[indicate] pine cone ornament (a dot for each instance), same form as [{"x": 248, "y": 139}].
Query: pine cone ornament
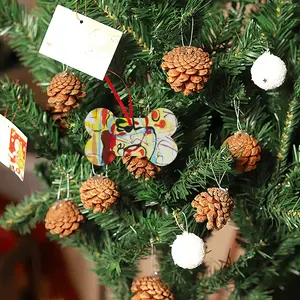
[
  {"x": 245, "y": 150},
  {"x": 215, "y": 206},
  {"x": 65, "y": 93},
  {"x": 99, "y": 193},
  {"x": 188, "y": 69},
  {"x": 63, "y": 218},
  {"x": 140, "y": 166},
  {"x": 150, "y": 288}
]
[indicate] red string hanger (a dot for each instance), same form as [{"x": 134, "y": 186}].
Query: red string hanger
[{"x": 127, "y": 115}]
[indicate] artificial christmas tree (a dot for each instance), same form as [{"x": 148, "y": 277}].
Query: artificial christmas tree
[{"x": 266, "y": 200}]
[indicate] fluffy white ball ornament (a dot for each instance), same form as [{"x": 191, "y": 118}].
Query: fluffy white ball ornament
[
  {"x": 268, "y": 71},
  {"x": 188, "y": 250}
]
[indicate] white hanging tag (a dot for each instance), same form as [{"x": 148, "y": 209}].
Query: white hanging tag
[
  {"x": 13, "y": 147},
  {"x": 81, "y": 43}
]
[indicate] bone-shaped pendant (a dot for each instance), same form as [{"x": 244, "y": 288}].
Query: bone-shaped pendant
[{"x": 147, "y": 137}]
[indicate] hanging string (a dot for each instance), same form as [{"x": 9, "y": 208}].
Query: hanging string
[
  {"x": 237, "y": 110},
  {"x": 6, "y": 111},
  {"x": 128, "y": 92},
  {"x": 192, "y": 32},
  {"x": 181, "y": 32},
  {"x": 222, "y": 177},
  {"x": 65, "y": 68},
  {"x": 68, "y": 186},
  {"x": 186, "y": 221},
  {"x": 59, "y": 189},
  {"x": 93, "y": 171},
  {"x": 95, "y": 174},
  {"x": 175, "y": 215},
  {"x": 218, "y": 182},
  {"x": 152, "y": 257},
  {"x": 127, "y": 115},
  {"x": 76, "y": 10},
  {"x": 278, "y": 125},
  {"x": 81, "y": 171},
  {"x": 148, "y": 109}
]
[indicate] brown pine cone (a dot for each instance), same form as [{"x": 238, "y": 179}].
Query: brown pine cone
[
  {"x": 245, "y": 150},
  {"x": 150, "y": 288},
  {"x": 63, "y": 218},
  {"x": 215, "y": 206},
  {"x": 65, "y": 93},
  {"x": 99, "y": 193},
  {"x": 188, "y": 69},
  {"x": 140, "y": 166}
]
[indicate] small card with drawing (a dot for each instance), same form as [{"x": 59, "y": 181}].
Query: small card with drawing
[
  {"x": 13, "y": 147},
  {"x": 80, "y": 42}
]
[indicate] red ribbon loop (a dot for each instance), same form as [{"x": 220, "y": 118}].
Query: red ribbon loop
[{"x": 127, "y": 115}]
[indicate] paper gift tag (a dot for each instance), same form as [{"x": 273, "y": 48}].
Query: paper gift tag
[
  {"x": 13, "y": 147},
  {"x": 88, "y": 46}
]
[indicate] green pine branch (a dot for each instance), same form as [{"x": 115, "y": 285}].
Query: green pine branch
[
  {"x": 235, "y": 272},
  {"x": 36, "y": 124},
  {"x": 291, "y": 122},
  {"x": 244, "y": 50},
  {"x": 216, "y": 28},
  {"x": 277, "y": 21},
  {"x": 284, "y": 206},
  {"x": 24, "y": 216},
  {"x": 207, "y": 165},
  {"x": 243, "y": 273},
  {"x": 25, "y": 34},
  {"x": 123, "y": 17},
  {"x": 108, "y": 259}
]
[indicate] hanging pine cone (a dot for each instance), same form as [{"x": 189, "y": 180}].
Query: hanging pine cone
[
  {"x": 140, "y": 166},
  {"x": 245, "y": 150},
  {"x": 188, "y": 69},
  {"x": 150, "y": 288},
  {"x": 99, "y": 193},
  {"x": 65, "y": 93},
  {"x": 215, "y": 206},
  {"x": 63, "y": 218}
]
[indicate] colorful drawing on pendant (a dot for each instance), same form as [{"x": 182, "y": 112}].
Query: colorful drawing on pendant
[
  {"x": 17, "y": 153},
  {"x": 147, "y": 137}
]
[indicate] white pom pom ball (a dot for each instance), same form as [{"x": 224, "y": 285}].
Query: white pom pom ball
[
  {"x": 268, "y": 71},
  {"x": 188, "y": 250}
]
